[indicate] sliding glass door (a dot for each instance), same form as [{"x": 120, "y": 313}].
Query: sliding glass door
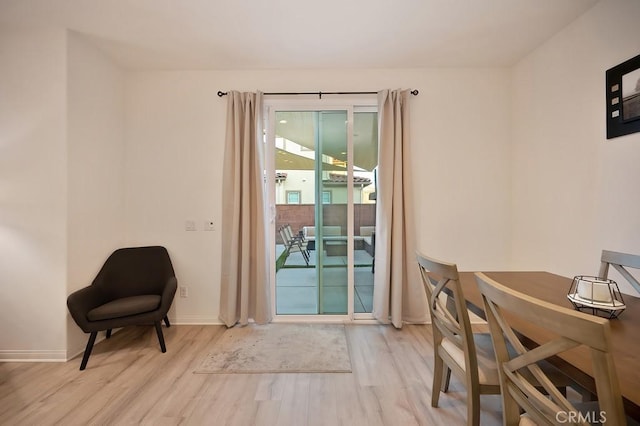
[
  {"x": 365, "y": 160},
  {"x": 319, "y": 252}
]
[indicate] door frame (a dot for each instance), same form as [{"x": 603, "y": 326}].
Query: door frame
[{"x": 299, "y": 103}]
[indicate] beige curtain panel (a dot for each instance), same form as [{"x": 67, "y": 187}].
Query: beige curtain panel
[
  {"x": 244, "y": 290},
  {"x": 398, "y": 295}
]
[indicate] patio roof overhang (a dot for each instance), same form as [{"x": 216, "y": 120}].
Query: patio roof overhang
[
  {"x": 298, "y": 126},
  {"x": 286, "y": 160}
]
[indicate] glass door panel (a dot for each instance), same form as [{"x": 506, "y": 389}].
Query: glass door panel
[
  {"x": 332, "y": 193},
  {"x": 365, "y": 154},
  {"x": 310, "y": 218}
]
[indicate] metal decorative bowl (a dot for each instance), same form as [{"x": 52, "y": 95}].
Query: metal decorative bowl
[{"x": 598, "y": 296}]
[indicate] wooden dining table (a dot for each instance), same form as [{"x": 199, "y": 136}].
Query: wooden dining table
[{"x": 576, "y": 363}]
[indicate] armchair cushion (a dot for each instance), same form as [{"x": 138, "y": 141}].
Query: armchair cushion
[{"x": 124, "y": 307}]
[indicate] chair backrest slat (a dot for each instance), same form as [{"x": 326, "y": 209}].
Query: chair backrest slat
[{"x": 620, "y": 261}]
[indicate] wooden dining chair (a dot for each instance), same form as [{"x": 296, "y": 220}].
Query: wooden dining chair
[
  {"x": 620, "y": 262},
  {"x": 457, "y": 349},
  {"x": 516, "y": 369}
]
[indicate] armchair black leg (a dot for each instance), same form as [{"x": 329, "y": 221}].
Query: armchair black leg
[
  {"x": 108, "y": 333},
  {"x": 158, "y": 325},
  {"x": 87, "y": 351},
  {"x": 166, "y": 321}
]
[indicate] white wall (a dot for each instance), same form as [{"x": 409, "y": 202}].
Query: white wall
[
  {"x": 574, "y": 192},
  {"x": 95, "y": 130},
  {"x": 461, "y": 166},
  {"x": 174, "y": 149},
  {"x": 61, "y": 184},
  {"x": 33, "y": 197},
  {"x": 175, "y": 126}
]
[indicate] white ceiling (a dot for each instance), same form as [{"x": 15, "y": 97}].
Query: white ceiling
[{"x": 272, "y": 34}]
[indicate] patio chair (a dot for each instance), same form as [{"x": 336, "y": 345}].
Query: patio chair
[
  {"x": 294, "y": 245},
  {"x": 292, "y": 236}
]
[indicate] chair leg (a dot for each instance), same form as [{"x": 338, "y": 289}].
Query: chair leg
[
  {"x": 108, "y": 333},
  {"x": 158, "y": 325},
  {"x": 473, "y": 407},
  {"x": 304, "y": 254},
  {"x": 87, "y": 350},
  {"x": 166, "y": 321},
  {"x": 438, "y": 366}
]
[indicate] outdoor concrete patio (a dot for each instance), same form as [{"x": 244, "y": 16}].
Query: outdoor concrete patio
[{"x": 296, "y": 286}]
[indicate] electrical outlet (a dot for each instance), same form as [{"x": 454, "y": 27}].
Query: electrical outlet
[
  {"x": 208, "y": 226},
  {"x": 190, "y": 225},
  {"x": 184, "y": 291}
]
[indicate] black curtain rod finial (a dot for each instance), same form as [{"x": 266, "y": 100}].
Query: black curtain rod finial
[{"x": 221, "y": 93}]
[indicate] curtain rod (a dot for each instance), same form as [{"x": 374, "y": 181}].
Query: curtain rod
[{"x": 413, "y": 92}]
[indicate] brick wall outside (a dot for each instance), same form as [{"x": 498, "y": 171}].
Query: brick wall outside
[{"x": 299, "y": 215}]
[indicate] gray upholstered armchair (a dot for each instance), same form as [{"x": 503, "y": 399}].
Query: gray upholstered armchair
[{"x": 135, "y": 286}]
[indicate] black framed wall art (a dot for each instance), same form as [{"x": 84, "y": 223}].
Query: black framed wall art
[{"x": 623, "y": 98}]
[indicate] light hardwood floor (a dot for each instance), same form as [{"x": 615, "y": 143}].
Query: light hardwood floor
[{"x": 129, "y": 381}]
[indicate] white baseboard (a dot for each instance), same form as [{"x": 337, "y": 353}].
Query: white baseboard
[
  {"x": 64, "y": 356},
  {"x": 195, "y": 320}
]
